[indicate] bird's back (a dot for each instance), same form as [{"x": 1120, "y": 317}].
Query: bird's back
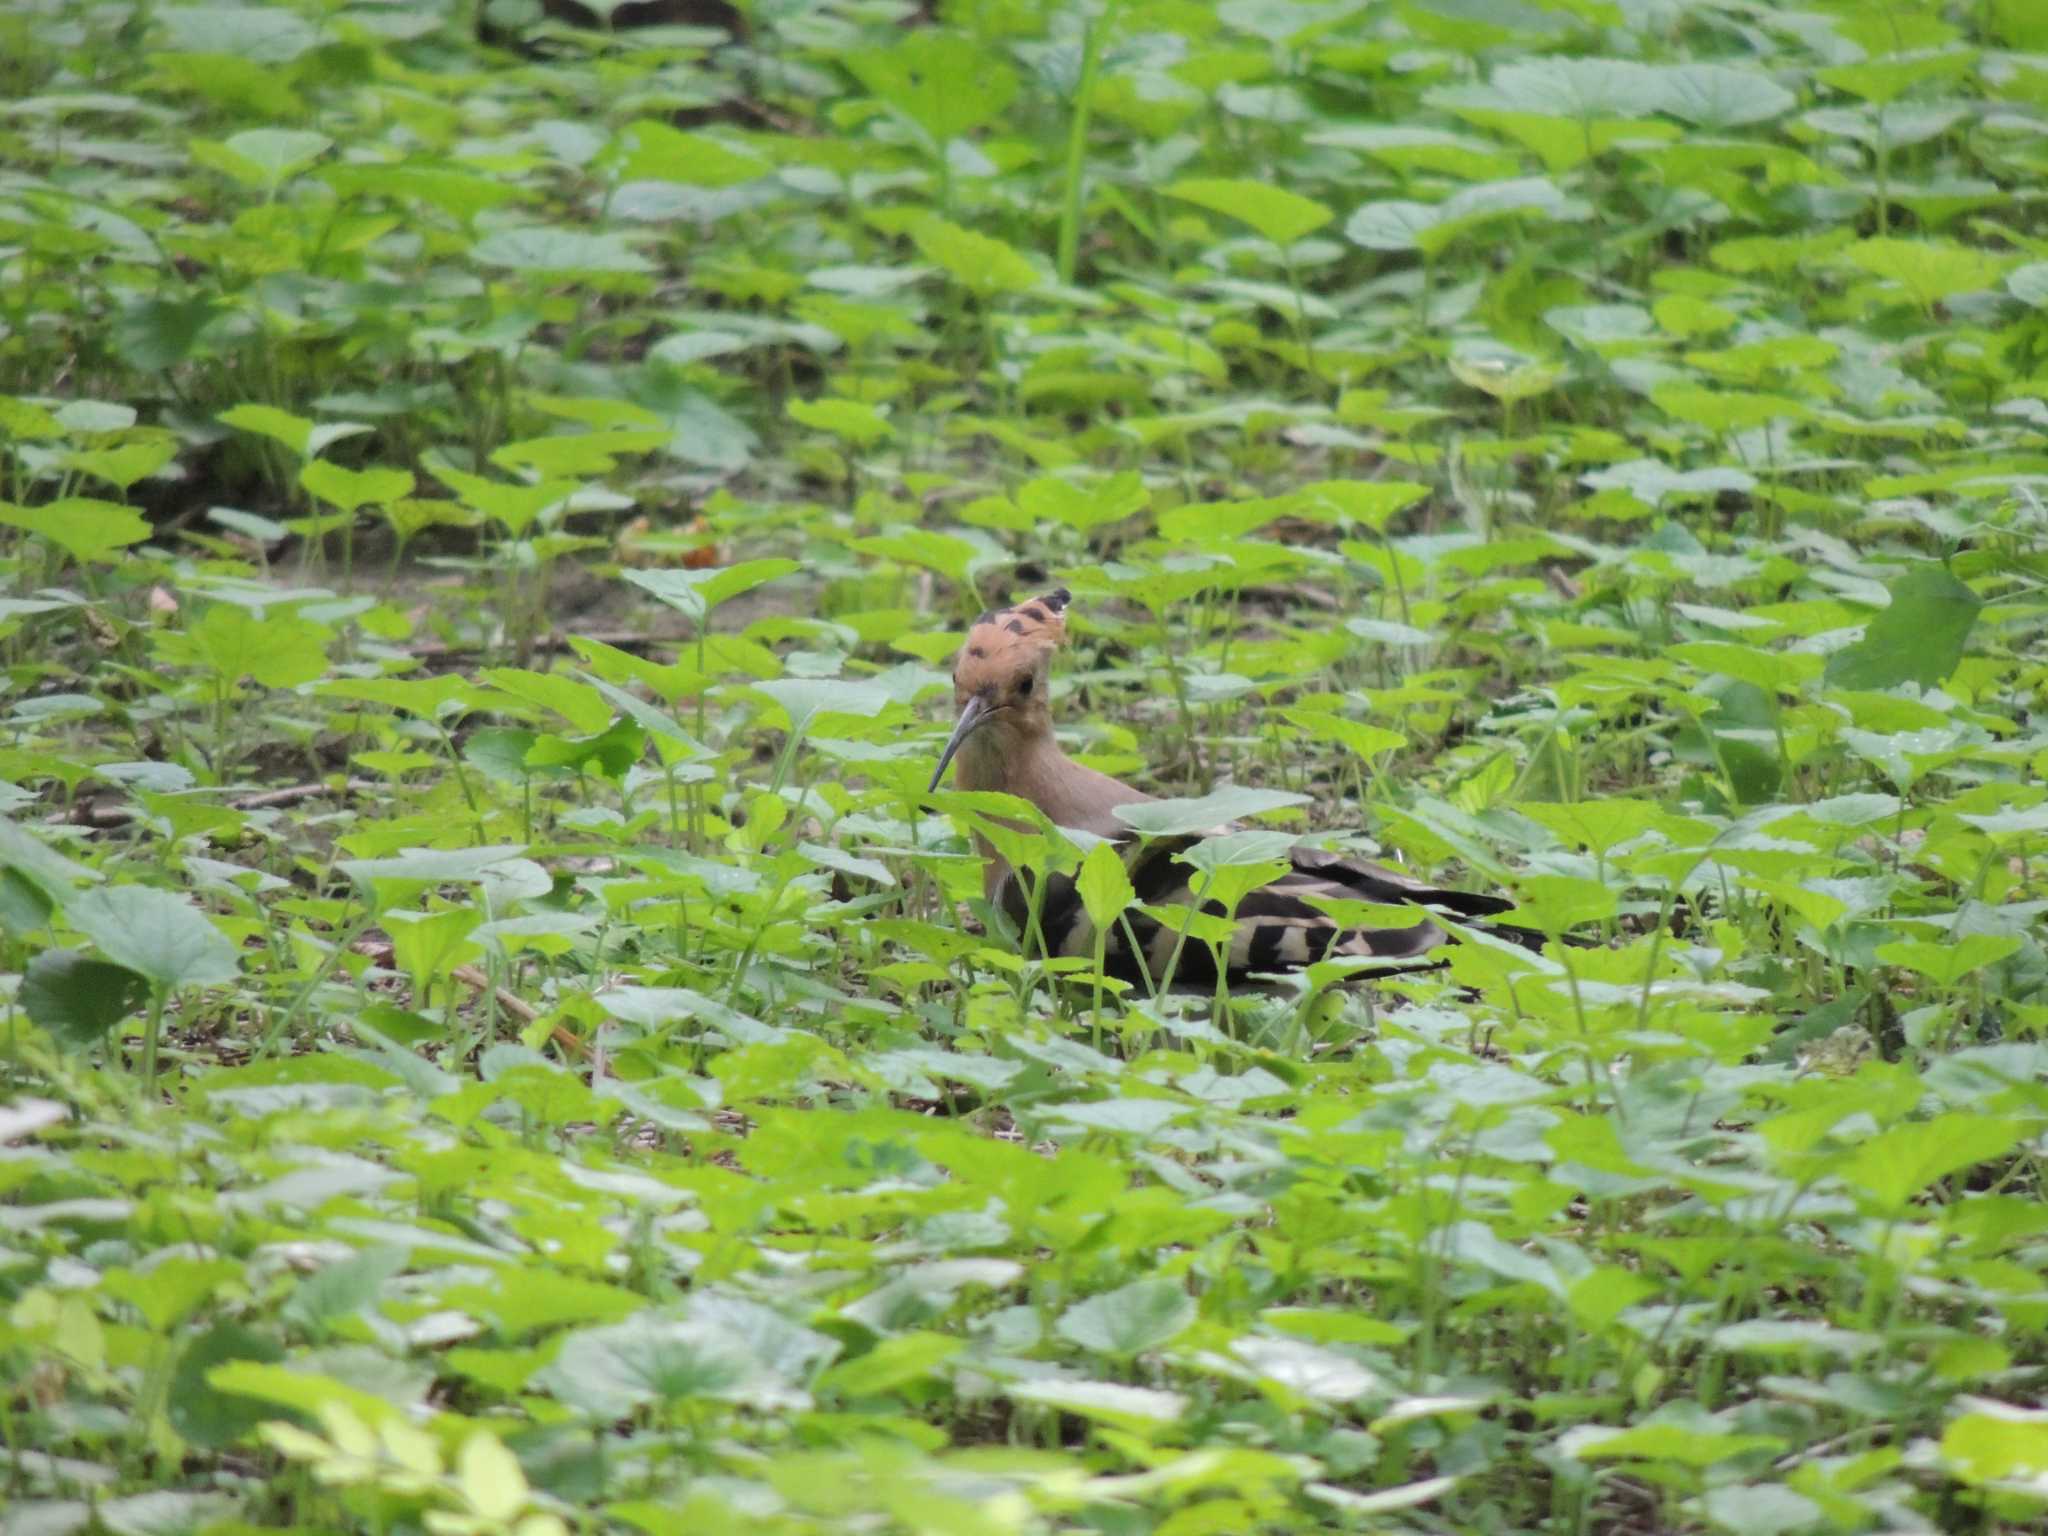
[{"x": 1276, "y": 927}]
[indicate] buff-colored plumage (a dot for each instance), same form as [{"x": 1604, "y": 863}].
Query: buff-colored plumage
[{"x": 1003, "y": 740}]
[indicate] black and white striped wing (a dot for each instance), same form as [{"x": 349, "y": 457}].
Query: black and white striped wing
[{"x": 1277, "y": 927}]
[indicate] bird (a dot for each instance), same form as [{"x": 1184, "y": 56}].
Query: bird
[{"x": 1003, "y": 739}]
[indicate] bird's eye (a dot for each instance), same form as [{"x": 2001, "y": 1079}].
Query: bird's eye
[{"x": 1024, "y": 685}]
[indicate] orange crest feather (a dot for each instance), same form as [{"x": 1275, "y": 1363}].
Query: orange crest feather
[{"x": 1005, "y": 641}]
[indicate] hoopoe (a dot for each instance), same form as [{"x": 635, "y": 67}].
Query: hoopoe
[{"x": 1003, "y": 740}]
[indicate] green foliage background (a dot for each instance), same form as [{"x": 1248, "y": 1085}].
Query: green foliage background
[{"x": 469, "y": 1070}]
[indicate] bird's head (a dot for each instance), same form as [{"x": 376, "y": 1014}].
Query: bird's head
[{"x": 1000, "y": 679}]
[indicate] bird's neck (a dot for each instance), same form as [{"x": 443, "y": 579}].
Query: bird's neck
[{"x": 1032, "y": 767}]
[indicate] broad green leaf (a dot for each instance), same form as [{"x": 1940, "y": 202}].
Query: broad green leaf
[
  {"x": 1947, "y": 964},
  {"x": 1928, "y": 270},
  {"x": 560, "y": 252},
  {"x": 1558, "y": 903},
  {"x": 648, "y": 149},
  {"x": 982, "y": 264},
  {"x": 951, "y": 557},
  {"x": 1178, "y": 818},
  {"x": 84, "y": 529},
  {"x": 268, "y": 421},
  {"x": 1105, "y": 886},
  {"x": 1720, "y": 95},
  {"x": 1920, "y": 637},
  {"x": 1281, "y": 216},
  {"x": 428, "y": 945},
  {"x": 26, "y": 421},
  {"x": 856, "y": 421},
  {"x": 154, "y": 933},
  {"x": 609, "y": 1371},
  {"x": 342, "y": 1288},
  {"x": 124, "y": 464},
  {"x": 1138, "y": 1408},
  {"x": 1997, "y": 1443},
  {"x": 1130, "y": 1320},
  {"x": 578, "y": 703},
  {"x": 608, "y": 753},
  {"x": 78, "y": 998},
  {"x": 1372, "y": 503},
  {"x": 199, "y": 1411},
  {"x": 512, "y": 507},
  {"x": 352, "y": 489},
  {"x": 938, "y": 79},
  {"x": 1885, "y": 79},
  {"x": 1898, "y": 1164},
  {"x": 1508, "y": 379},
  {"x": 1084, "y": 504},
  {"x": 697, "y": 593},
  {"x": 277, "y": 154},
  {"x": 490, "y": 1477},
  {"x": 1685, "y": 1444},
  {"x": 1368, "y": 741},
  {"x": 577, "y": 453},
  {"x": 232, "y": 643}
]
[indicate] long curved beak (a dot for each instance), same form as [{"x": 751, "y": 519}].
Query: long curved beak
[{"x": 970, "y": 717}]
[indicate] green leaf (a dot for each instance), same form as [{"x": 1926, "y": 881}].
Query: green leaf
[
  {"x": 161, "y": 936},
  {"x": 1283, "y": 217},
  {"x": 1131, "y": 1408},
  {"x": 1761, "y": 1509},
  {"x": 78, "y": 998},
  {"x": 353, "y": 489},
  {"x": 696, "y": 593},
  {"x": 1720, "y": 95},
  {"x": 1370, "y": 502},
  {"x": 542, "y": 1299},
  {"x": 1886, "y": 79},
  {"x": 233, "y": 643},
  {"x": 277, "y": 154},
  {"x": 982, "y": 264},
  {"x": 938, "y": 79},
  {"x": 199, "y": 1411},
  {"x": 84, "y": 529},
  {"x": 1104, "y": 885},
  {"x": 1997, "y": 1443},
  {"x": 951, "y": 557},
  {"x": 1929, "y": 270},
  {"x": 428, "y": 945},
  {"x": 577, "y": 702},
  {"x": 891, "y": 1364},
  {"x": 268, "y": 421},
  {"x": 1896, "y": 1165},
  {"x": 1367, "y": 741},
  {"x": 608, "y": 1372},
  {"x": 578, "y": 453},
  {"x": 513, "y": 507},
  {"x": 490, "y": 1477},
  {"x": 1919, "y": 638},
  {"x": 124, "y": 464},
  {"x": 610, "y": 752},
  {"x": 1177, "y": 818},
  {"x": 1946, "y": 964},
  {"x": 559, "y": 252},
  {"x": 648, "y": 149},
  {"x": 1083, "y": 504},
  {"x": 856, "y": 421},
  {"x": 1130, "y": 1320},
  {"x": 1557, "y": 903},
  {"x": 341, "y": 1288}
]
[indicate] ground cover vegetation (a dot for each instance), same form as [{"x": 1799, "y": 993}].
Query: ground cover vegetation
[{"x": 497, "y": 1038}]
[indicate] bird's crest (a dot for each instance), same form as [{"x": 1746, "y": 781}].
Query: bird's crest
[{"x": 1005, "y": 641}]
